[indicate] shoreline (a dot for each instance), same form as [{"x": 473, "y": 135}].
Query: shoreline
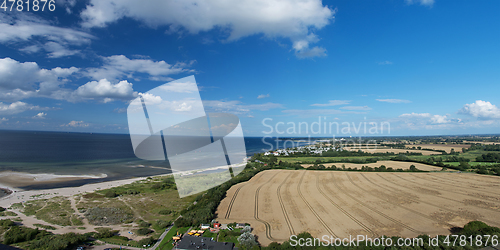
[{"x": 17, "y": 195}]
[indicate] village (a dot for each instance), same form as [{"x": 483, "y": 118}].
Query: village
[
  {"x": 208, "y": 236},
  {"x": 315, "y": 149}
]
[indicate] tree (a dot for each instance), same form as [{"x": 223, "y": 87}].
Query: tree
[
  {"x": 413, "y": 168},
  {"x": 246, "y": 229},
  {"x": 247, "y": 240}
]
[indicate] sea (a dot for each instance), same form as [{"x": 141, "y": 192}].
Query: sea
[{"x": 109, "y": 155}]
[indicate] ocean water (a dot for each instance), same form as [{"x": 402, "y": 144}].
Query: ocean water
[{"x": 90, "y": 154}]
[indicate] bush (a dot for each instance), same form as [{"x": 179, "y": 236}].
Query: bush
[
  {"x": 165, "y": 211},
  {"x": 132, "y": 191},
  {"x": 144, "y": 224},
  {"x": 19, "y": 234},
  {"x": 107, "y": 216},
  {"x": 104, "y": 232},
  {"x": 161, "y": 224},
  {"x": 144, "y": 231},
  {"x": 147, "y": 241},
  {"x": 110, "y": 194},
  {"x": 6, "y": 223}
]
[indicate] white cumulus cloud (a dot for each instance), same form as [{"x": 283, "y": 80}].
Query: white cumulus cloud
[
  {"x": 293, "y": 19},
  {"x": 263, "y": 96},
  {"x": 18, "y": 107},
  {"x": 106, "y": 91},
  {"x": 23, "y": 80},
  {"x": 40, "y": 115},
  {"x": 481, "y": 109}
]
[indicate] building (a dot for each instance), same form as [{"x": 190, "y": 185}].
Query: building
[{"x": 190, "y": 242}]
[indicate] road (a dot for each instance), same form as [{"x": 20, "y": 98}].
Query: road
[{"x": 161, "y": 237}]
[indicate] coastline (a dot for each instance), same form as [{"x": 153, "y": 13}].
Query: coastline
[{"x": 19, "y": 195}]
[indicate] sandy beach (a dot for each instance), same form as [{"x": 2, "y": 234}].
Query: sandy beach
[
  {"x": 12, "y": 180},
  {"x": 19, "y": 195}
]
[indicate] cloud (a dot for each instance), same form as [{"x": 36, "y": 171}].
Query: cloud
[
  {"x": 236, "y": 107},
  {"x": 481, "y": 109},
  {"x": 365, "y": 108},
  {"x": 393, "y": 100},
  {"x": 23, "y": 80},
  {"x": 40, "y": 115},
  {"x": 56, "y": 50},
  {"x": 295, "y": 19},
  {"x": 119, "y": 66},
  {"x": 384, "y": 63},
  {"x": 318, "y": 112},
  {"x": 263, "y": 96},
  {"x": 331, "y": 103},
  {"x": 429, "y": 121},
  {"x": 22, "y": 29},
  {"x": 76, "y": 124},
  {"x": 106, "y": 91},
  {"x": 3, "y": 119},
  {"x": 179, "y": 87},
  {"x": 308, "y": 53},
  {"x": 17, "y": 107},
  {"x": 421, "y": 2},
  {"x": 120, "y": 110}
]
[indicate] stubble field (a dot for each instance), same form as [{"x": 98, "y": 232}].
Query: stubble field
[{"x": 279, "y": 203}]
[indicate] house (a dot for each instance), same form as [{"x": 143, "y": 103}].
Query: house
[
  {"x": 240, "y": 225},
  {"x": 191, "y": 242},
  {"x": 205, "y": 226},
  {"x": 216, "y": 225}
]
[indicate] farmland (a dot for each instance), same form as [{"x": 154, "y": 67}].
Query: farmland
[
  {"x": 392, "y": 150},
  {"x": 387, "y": 164},
  {"x": 279, "y": 203},
  {"x": 444, "y": 147}
]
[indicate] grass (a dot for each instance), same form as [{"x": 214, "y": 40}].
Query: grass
[
  {"x": 147, "y": 199},
  {"x": 7, "y": 213},
  {"x": 56, "y": 211},
  {"x": 231, "y": 236},
  {"x": 166, "y": 243},
  {"x": 209, "y": 234},
  {"x": 76, "y": 221}
]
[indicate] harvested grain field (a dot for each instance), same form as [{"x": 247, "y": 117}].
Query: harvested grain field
[
  {"x": 389, "y": 164},
  {"x": 279, "y": 203},
  {"x": 445, "y": 147},
  {"x": 392, "y": 150}
]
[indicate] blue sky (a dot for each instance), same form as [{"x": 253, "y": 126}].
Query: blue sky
[{"x": 427, "y": 67}]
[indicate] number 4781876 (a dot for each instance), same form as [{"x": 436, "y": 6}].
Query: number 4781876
[{"x": 28, "y": 5}]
